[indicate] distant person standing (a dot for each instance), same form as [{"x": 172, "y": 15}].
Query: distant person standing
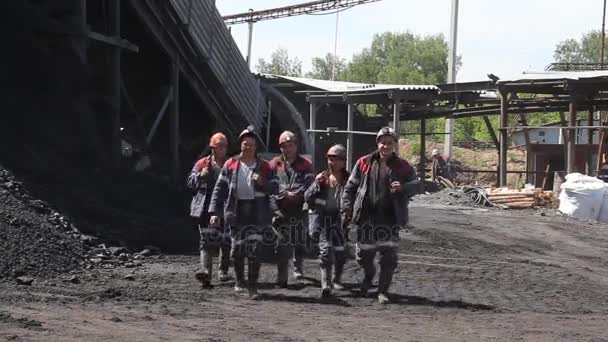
[
  {"x": 241, "y": 198},
  {"x": 213, "y": 239},
  {"x": 438, "y": 167},
  {"x": 324, "y": 198},
  {"x": 375, "y": 200}
]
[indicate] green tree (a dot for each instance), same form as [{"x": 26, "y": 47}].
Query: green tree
[
  {"x": 322, "y": 67},
  {"x": 280, "y": 64},
  {"x": 404, "y": 58},
  {"x": 585, "y": 50},
  {"x": 401, "y": 58}
]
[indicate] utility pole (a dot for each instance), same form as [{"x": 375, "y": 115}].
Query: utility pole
[
  {"x": 333, "y": 64},
  {"x": 603, "y": 34},
  {"x": 452, "y": 59},
  {"x": 249, "y": 42}
]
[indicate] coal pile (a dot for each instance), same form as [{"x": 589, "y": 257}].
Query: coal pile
[
  {"x": 447, "y": 196},
  {"x": 35, "y": 240}
]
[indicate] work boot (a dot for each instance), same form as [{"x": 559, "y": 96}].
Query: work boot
[
  {"x": 325, "y": 281},
  {"x": 337, "y": 283},
  {"x": 223, "y": 276},
  {"x": 384, "y": 282},
  {"x": 298, "y": 271},
  {"x": 385, "y": 278},
  {"x": 203, "y": 278},
  {"x": 365, "y": 285},
  {"x": 370, "y": 271},
  {"x": 204, "y": 275},
  {"x": 224, "y": 265},
  {"x": 383, "y": 298},
  {"x": 253, "y": 273},
  {"x": 282, "y": 274},
  {"x": 239, "y": 273}
]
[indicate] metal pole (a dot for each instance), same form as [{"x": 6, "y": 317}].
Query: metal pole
[
  {"x": 590, "y": 131},
  {"x": 422, "y": 168},
  {"x": 603, "y": 33},
  {"x": 174, "y": 124},
  {"x": 115, "y": 81},
  {"x": 349, "y": 138},
  {"x": 268, "y": 124},
  {"x": 600, "y": 149},
  {"x": 333, "y": 66},
  {"x": 84, "y": 29},
  {"x": 250, "y": 24},
  {"x": 570, "y": 157},
  {"x": 396, "y": 120},
  {"x": 504, "y": 118},
  {"x": 313, "y": 125},
  {"x": 452, "y": 58}
]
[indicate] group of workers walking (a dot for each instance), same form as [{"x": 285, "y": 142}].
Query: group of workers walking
[{"x": 244, "y": 203}]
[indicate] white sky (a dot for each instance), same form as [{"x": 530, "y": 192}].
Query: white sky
[{"x": 499, "y": 37}]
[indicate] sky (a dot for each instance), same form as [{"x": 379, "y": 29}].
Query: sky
[{"x": 499, "y": 37}]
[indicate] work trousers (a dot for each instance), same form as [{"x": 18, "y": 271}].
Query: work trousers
[
  {"x": 246, "y": 237},
  {"x": 378, "y": 234},
  {"x": 214, "y": 241}
]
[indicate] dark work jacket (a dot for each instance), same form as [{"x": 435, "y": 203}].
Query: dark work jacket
[
  {"x": 224, "y": 200},
  {"x": 202, "y": 186},
  {"x": 302, "y": 175},
  {"x": 315, "y": 197},
  {"x": 356, "y": 189}
]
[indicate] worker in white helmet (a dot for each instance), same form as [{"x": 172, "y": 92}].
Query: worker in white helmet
[
  {"x": 375, "y": 200},
  {"x": 295, "y": 174}
]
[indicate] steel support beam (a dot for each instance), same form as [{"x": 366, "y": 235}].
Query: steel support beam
[
  {"x": 312, "y": 126},
  {"x": 114, "y": 86},
  {"x": 268, "y": 123},
  {"x": 159, "y": 116},
  {"x": 486, "y": 120},
  {"x": 590, "y": 131},
  {"x": 350, "y": 143},
  {"x": 571, "y": 147},
  {"x": 422, "y": 168},
  {"x": 174, "y": 123},
  {"x": 504, "y": 122},
  {"x": 115, "y": 41},
  {"x": 397, "y": 120}
]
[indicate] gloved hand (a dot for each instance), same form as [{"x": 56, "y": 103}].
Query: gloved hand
[
  {"x": 278, "y": 218},
  {"x": 347, "y": 216}
]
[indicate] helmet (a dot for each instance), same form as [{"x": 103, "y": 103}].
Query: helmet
[
  {"x": 337, "y": 151},
  {"x": 386, "y": 131},
  {"x": 248, "y": 132},
  {"x": 217, "y": 139},
  {"x": 286, "y": 136}
]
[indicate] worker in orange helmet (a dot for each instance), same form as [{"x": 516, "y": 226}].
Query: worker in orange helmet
[{"x": 214, "y": 240}]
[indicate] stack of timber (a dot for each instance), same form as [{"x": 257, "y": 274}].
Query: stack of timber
[{"x": 521, "y": 199}]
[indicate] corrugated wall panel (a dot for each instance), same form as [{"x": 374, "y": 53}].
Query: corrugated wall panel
[{"x": 214, "y": 41}]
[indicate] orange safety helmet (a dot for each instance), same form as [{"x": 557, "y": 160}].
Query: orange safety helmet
[{"x": 218, "y": 139}]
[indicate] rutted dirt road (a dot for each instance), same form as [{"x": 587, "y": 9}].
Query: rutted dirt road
[{"x": 465, "y": 275}]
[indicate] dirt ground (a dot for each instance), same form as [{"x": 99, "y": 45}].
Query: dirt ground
[{"x": 465, "y": 274}]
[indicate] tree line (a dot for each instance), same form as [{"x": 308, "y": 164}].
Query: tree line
[{"x": 407, "y": 58}]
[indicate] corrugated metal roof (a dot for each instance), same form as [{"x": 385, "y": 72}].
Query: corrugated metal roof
[
  {"x": 215, "y": 42},
  {"x": 341, "y": 86},
  {"x": 557, "y": 75}
]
